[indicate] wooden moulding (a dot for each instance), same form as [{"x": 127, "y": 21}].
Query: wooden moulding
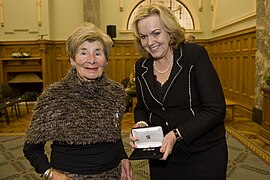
[{"x": 26, "y": 78}]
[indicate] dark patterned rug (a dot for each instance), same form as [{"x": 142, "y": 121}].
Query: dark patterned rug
[{"x": 243, "y": 163}]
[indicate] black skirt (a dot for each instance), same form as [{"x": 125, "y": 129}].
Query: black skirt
[{"x": 210, "y": 164}]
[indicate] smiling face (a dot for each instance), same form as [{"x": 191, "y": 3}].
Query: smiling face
[
  {"x": 154, "y": 39},
  {"x": 90, "y": 60}
]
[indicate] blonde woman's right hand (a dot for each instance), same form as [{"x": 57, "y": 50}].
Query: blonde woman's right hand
[{"x": 132, "y": 141}]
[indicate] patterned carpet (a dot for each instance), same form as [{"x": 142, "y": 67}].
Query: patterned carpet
[
  {"x": 243, "y": 163},
  {"x": 246, "y": 160}
]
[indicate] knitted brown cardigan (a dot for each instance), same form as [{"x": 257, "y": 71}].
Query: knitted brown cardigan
[{"x": 78, "y": 112}]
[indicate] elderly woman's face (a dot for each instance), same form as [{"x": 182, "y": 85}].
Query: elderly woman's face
[{"x": 90, "y": 60}]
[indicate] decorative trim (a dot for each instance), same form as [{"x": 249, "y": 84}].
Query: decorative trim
[
  {"x": 252, "y": 146},
  {"x": 38, "y": 2},
  {"x": 121, "y": 5},
  {"x": 212, "y": 5},
  {"x": 234, "y": 34},
  {"x": 234, "y": 22},
  {"x": 21, "y": 30},
  {"x": 1, "y": 13},
  {"x": 134, "y": 3},
  {"x": 200, "y": 5}
]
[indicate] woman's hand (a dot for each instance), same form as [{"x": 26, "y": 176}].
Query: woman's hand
[
  {"x": 126, "y": 170},
  {"x": 167, "y": 145},
  {"x": 56, "y": 175},
  {"x": 132, "y": 139}
]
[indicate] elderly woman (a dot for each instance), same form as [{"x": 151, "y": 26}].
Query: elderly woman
[{"x": 81, "y": 116}]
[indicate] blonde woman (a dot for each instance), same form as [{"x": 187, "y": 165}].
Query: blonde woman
[{"x": 178, "y": 88}]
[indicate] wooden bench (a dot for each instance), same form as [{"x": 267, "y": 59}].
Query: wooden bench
[{"x": 232, "y": 105}]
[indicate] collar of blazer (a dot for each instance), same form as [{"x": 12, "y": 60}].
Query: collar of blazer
[{"x": 148, "y": 78}]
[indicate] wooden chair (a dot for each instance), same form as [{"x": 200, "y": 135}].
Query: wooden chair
[
  {"x": 9, "y": 99},
  {"x": 3, "y": 108},
  {"x": 129, "y": 99},
  {"x": 125, "y": 82},
  {"x": 22, "y": 99}
]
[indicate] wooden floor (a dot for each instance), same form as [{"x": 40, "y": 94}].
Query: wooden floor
[{"x": 241, "y": 125}]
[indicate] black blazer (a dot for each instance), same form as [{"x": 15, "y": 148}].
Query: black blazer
[{"x": 194, "y": 101}]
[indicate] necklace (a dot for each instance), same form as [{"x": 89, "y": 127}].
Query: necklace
[{"x": 162, "y": 72}]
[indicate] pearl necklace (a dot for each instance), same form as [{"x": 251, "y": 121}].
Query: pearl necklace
[{"x": 162, "y": 72}]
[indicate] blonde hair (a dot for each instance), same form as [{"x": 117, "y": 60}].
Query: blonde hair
[
  {"x": 189, "y": 38},
  {"x": 87, "y": 32},
  {"x": 167, "y": 20}
]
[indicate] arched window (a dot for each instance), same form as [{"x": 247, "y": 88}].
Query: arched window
[{"x": 180, "y": 11}]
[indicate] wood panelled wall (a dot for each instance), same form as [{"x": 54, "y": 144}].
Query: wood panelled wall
[
  {"x": 234, "y": 59},
  {"x": 232, "y": 55},
  {"x": 122, "y": 60},
  {"x": 54, "y": 61},
  {"x": 40, "y": 60},
  {"x": 62, "y": 63}
]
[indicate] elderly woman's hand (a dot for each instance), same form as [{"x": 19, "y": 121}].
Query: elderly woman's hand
[
  {"x": 56, "y": 175},
  {"x": 126, "y": 170}
]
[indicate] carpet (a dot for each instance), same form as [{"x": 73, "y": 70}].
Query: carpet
[{"x": 243, "y": 162}]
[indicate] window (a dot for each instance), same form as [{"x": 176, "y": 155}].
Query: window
[{"x": 180, "y": 11}]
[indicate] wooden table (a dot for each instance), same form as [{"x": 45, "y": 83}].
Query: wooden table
[
  {"x": 231, "y": 104},
  {"x": 264, "y": 133}
]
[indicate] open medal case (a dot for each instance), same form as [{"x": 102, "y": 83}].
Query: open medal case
[{"x": 150, "y": 141}]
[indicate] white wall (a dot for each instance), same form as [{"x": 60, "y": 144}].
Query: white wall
[
  {"x": 233, "y": 15},
  {"x": 60, "y": 17},
  {"x": 19, "y": 20},
  {"x": 65, "y": 15}
]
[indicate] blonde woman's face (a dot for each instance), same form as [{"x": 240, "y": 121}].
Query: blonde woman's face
[
  {"x": 90, "y": 60},
  {"x": 154, "y": 39}
]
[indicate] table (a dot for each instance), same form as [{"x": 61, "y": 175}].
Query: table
[{"x": 231, "y": 104}]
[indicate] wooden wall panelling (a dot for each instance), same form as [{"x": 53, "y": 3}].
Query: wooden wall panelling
[
  {"x": 109, "y": 69},
  {"x": 233, "y": 56},
  {"x": 129, "y": 60},
  {"x": 42, "y": 52},
  {"x": 245, "y": 77},
  {"x": 122, "y": 59},
  {"x": 251, "y": 65},
  {"x": 45, "y": 63},
  {"x": 240, "y": 74},
  {"x": 237, "y": 74},
  {"x": 225, "y": 71},
  {"x": 227, "y": 78},
  {"x": 62, "y": 63},
  {"x": 118, "y": 73},
  {"x": 2, "y": 80},
  {"x": 233, "y": 72},
  {"x": 50, "y": 58},
  {"x": 112, "y": 69},
  {"x": 234, "y": 59},
  {"x": 251, "y": 70},
  {"x": 11, "y": 66}
]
